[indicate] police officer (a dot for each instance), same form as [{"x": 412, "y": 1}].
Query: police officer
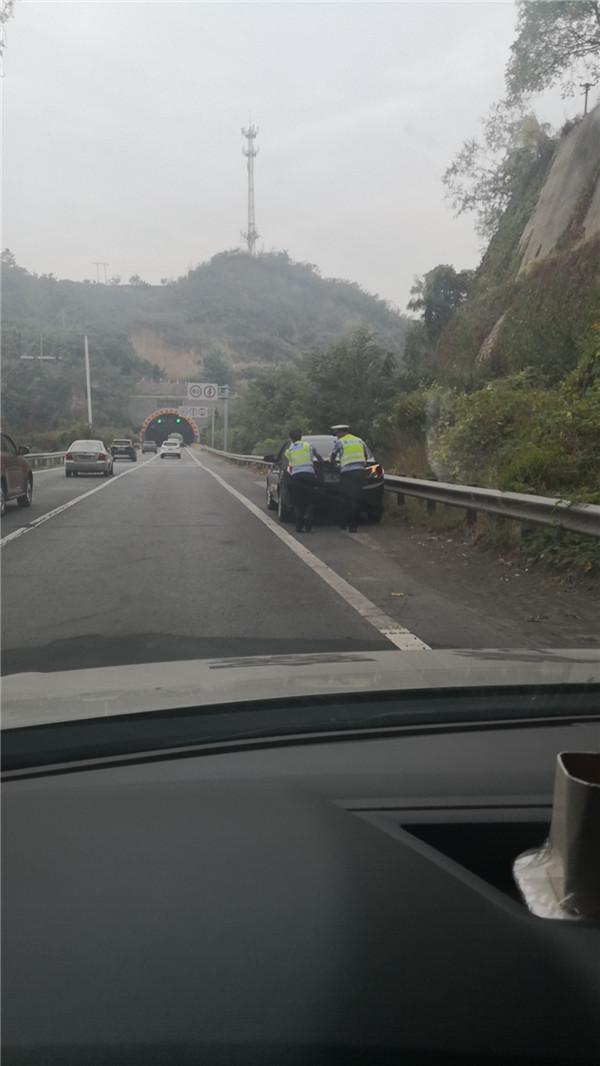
[
  {"x": 300, "y": 457},
  {"x": 351, "y": 453}
]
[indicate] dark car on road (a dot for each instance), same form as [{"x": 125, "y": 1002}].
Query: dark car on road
[
  {"x": 328, "y": 476},
  {"x": 122, "y": 448},
  {"x": 149, "y": 446},
  {"x": 16, "y": 478}
]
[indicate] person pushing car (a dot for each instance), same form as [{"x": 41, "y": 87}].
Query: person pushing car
[
  {"x": 300, "y": 457},
  {"x": 351, "y": 453}
]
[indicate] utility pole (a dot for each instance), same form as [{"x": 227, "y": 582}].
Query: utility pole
[
  {"x": 250, "y": 132},
  {"x": 88, "y": 386},
  {"x": 212, "y": 427},
  {"x": 224, "y": 394},
  {"x": 586, "y": 86}
]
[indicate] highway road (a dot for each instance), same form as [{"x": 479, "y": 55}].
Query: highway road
[{"x": 180, "y": 559}]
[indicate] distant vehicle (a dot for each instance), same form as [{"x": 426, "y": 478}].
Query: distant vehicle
[
  {"x": 170, "y": 449},
  {"x": 88, "y": 457},
  {"x": 149, "y": 446},
  {"x": 328, "y": 475},
  {"x": 16, "y": 478},
  {"x": 176, "y": 436},
  {"x": 122, "y": 448}
]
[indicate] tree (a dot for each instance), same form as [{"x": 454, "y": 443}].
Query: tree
[
  {"x": 115, "y": 280},
  {"x": 7, "y": 259},
  {"x": 438, "y": 295},
  {"x": 137, "y": 281},
  {"x": 350, "y": 381},
  {"x": 6, "y": 12},
  {"x": 217, "y": 368},
  {"x": 489, "y": 171},
  {"x": 558, "y": 42}
]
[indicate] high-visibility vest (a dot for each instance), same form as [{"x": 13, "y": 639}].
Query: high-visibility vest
[
  {"x": 353, "y": 450},
  {"x": 299, "y": 457}
]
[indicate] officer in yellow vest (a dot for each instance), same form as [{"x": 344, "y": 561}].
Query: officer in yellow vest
[
  {"x": 351, "y": 453},
  {"x": 300, "y": 457}
]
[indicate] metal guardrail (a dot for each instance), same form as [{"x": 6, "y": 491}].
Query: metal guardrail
[
  {"x": 514, "y": 506},
  {"x": 41, "y": 459},
  {"x": 249, "y": 460}
]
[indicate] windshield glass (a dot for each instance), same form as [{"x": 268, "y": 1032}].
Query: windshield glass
[{"x": 369, "y": 228}]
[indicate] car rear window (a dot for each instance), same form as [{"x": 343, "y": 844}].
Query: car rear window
[
  {"x": 86, "y": 446},
  {"x": 324, "y": 445},
  {"x": 119, "y": 441}
]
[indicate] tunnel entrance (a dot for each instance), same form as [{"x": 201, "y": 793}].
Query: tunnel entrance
[{"x": 167, "y": 420}]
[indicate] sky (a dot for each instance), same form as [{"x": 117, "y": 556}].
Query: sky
[{"x": 122, "y": 133}]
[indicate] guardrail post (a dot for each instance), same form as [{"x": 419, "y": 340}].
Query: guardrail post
[
  {"x": 470, "y": 517},
  {"x": 400, "y": 499},
  {"x": 431, "y": 506}
]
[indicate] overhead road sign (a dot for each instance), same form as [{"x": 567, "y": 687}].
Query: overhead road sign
[
  {"x": 193, "y": 412},
  {"x": 200, "y": 390}
]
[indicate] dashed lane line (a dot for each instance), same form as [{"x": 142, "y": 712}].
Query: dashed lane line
[
  {"x": 387, "y": 626},
  {"x": 22, "y": 530}
]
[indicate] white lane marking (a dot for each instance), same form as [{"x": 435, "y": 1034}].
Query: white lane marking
[
  {"x": 47, "y": 470},
  {"x": 387, "y": 626},
  {"x": 20, "y": 532}
]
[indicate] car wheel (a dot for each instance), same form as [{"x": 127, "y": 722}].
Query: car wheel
[
  {"x": 26, "y": 498},
  {"x": 374, "y": 516},
  {"x": 2, "y": 501},
  {"x": 283, "y": 513},
  {"x": 272, "y": 506}
]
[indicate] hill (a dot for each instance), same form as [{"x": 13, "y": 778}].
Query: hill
[
  {"x": 249, "y": 310},
  {"x": 508, "y": 389}
]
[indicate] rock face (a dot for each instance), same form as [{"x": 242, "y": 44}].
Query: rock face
[{"x": 568, "y": 209}]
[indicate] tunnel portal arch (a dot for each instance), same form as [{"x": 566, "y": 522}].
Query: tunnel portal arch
[{"x": 165, "y": 420}]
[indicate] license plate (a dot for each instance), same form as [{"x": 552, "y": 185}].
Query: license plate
[{"x": 331, "y": 479}]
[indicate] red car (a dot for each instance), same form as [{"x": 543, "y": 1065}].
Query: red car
[{"x": 16, "y": 478}]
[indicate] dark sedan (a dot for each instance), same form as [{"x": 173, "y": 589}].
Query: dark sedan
[
  {"x": 328, "y": 475},
  {"x": 123, "y": 448}
]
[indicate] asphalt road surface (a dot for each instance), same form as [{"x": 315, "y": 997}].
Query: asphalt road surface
[{"x": 180, "y": 559}]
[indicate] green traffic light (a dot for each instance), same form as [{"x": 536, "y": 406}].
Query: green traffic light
[
  {"x": 178, "y": 420},
  {"x": 159, "y": 420}
]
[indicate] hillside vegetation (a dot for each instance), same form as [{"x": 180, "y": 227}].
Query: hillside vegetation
[{"x": 253, "y": 310}]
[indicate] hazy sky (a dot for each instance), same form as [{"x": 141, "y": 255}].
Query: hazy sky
[{"x": 122, "y": 132}]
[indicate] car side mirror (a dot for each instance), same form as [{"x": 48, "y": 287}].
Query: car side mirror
[
  {"x": 269, "y": 458},
  {"x": 23, "y": 450}
]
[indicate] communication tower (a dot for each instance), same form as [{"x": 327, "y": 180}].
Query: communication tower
[{"x": 250, "y": 132}]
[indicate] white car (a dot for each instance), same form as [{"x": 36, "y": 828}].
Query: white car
[{"x": 170, "y": 449}]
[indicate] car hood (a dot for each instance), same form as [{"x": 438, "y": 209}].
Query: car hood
[{"x": 40, "y": 698}]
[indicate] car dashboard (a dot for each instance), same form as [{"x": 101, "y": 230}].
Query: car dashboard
[{"x": 303, "y": 900}]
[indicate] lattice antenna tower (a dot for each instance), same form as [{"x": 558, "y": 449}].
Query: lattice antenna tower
[{"x": 250, "y": 132}]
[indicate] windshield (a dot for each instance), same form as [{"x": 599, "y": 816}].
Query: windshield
[{"x": 373, "y": 229}]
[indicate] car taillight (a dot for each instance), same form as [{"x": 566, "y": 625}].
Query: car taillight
[
  {"x": 69, "y": 455},
  {"x": 375, "y": 471},
  {"x": 101, "y": 456}
]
